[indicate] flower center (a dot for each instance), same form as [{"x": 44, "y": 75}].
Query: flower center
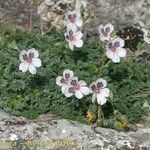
[
  {"x": 71, "y": 90},
  {"x": 97, "y": 88},
  {"x": 114, "y": 46},
  {"x": 72, "y": 17},
  {"x": 106, "y": 31},
  {"x": 93, "y": 87},
  {"x": 63, "y": 81},
  {"x": 29, "y": 57},
  {"x": 67, "y": 75},
  {"x": 75, "y": 84},
  {"x": 99, "y": 85},
  {"x": 70, "y": 37}
]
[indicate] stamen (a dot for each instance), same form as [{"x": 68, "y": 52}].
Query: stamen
[
  {"x": 104, "y": 33},
  {"x": 93, "y": 87},
  {"x": 70, "y": 32},
  {"x": 99, "y": 85},
  {"x": 116, "y": 44},
  {"x": 29, "y": 57},
  {"x": 73, "y": 83},
  {"x": 25, "y": 57},
  {"x": 72, "y": 17},
  {"x": 71, "y": 36},
  {"x": 110, "y": 45},
  {"x": 62, "y": 80},
  {"x": 67, "y": 75},
  {"x": 107, "y": 30},
  {"x": 71, "y": 90}
]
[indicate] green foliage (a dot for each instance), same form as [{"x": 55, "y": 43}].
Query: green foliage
[{"x": 30, "y": 95}]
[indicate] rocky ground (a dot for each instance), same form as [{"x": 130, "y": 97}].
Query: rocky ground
[
  {"x": 121, "y": 13},
  {"x": 19, "y": 13},
  {"x": 49, "y": 132}
]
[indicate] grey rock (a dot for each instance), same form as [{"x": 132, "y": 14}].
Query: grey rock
[
  {"x": 50, "y": 132},
  {"x": 121, "y": 13}
]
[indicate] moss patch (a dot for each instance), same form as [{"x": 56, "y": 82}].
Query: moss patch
[{"x": 28, "y": 95}]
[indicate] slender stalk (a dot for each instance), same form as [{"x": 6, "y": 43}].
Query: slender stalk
[
  {"x": 104, "y": 65},
  {"x": 41, "y": 26},
  {"x": 99, "y": 112}
]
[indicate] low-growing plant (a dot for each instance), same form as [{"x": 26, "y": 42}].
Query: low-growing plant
[{"x": 29, "y": 95}]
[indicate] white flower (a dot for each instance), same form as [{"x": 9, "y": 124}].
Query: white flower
[
  {"x": 84, "y": 3},
  {"x": 80, "y": 3},
  {"x": 64, "y": 80},
  {"x": 73, "y": 18},
  {"x": 29, "y": 61},
  {"x": 13, "y": 137},
  {"x": 74, "y": 38},
  {"x": 146, "y": 36},
  {"x": 115, "y": 50},
  {"x": 99, "y": 91},
  {"x": 105, "y": 31},
  {"x": 77, "y": 88}
]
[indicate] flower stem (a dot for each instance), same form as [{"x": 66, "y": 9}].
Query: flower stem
[
  {"x": 99, "y": 112},
  {"x": 104, "y": 65}
]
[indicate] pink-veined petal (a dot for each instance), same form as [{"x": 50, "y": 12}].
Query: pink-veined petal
[
  {"x": 24, "y": 66},
  {"x": 82, "y": 83},
  {"x": 79, "y": 34},
  {"x": 63, "y": 88},
  {"x": 91, "y": 85},
  {"x": 71, "y": 26},
  {"x": 21, "y": 55},
  {"x": 99, "y": 96},
  {"x": 66, "y": 91},
  {"x": 78, "y": 4},
  {"x": 71, "y": 45},
  {"x": 101, "y": 99},
  {"x": 77, "y": 12},
  {"x": 116, "y": 59},
  {"x": 35, "y": 52},
  {"x": 84, "y": 3},
  {"x": 75, "y": 78},
  {"x": 93, "y": 98},
  {"x": 58, "y": 81},
  {"x": 79, "y": 23},
  {"x": 121, "y": 41},
  {"x": 69, "y": 74},
  {"x": 32, "y": 69},
  {"x": 110, "y": 26},
  {"x": 78, "y": 94},
  {"x": 101, "y": 80},
  {"x": 67, "y": 94},
  {"x": 121, "y": 52},
  {"x": 36, "y": 62},
  {"x": 110, "y": 54},
  {"x": 101, "y": 26},
  {"x": 65, "y": 35},
  {"x": 105, "y": 92},
  {"x": 84, "y": 90},
  {"x": 78, "y": 43}
]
